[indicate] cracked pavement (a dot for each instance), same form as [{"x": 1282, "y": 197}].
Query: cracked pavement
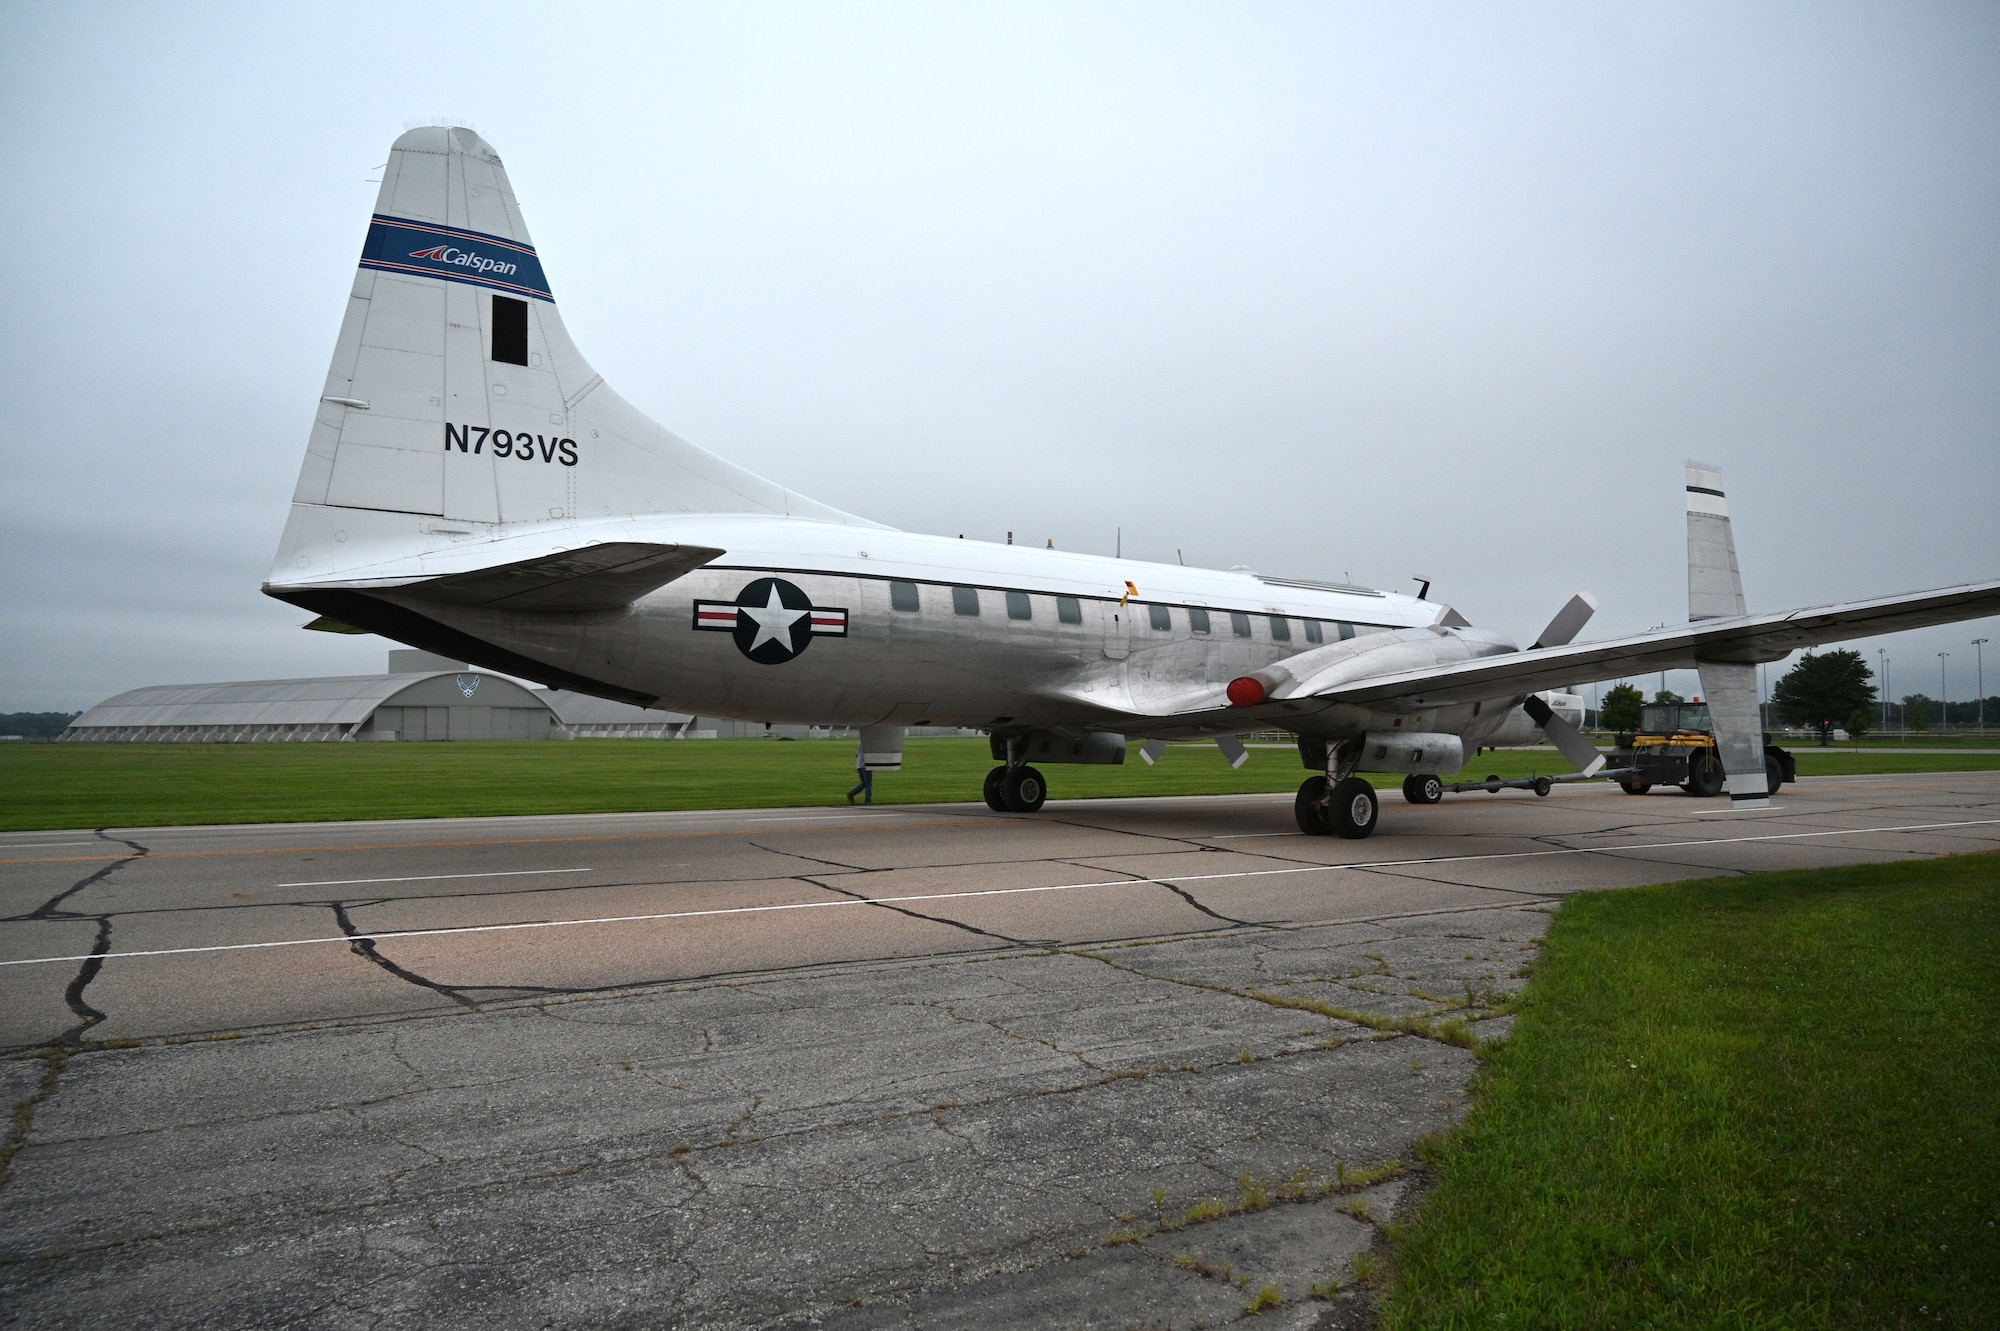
[{"x": 1121, "y": 1064}]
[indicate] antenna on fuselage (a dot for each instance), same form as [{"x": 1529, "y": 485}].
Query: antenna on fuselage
[{"x": 1424, "y": 584}]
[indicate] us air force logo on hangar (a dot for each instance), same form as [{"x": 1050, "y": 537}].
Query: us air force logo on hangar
[{"x": 773, "y": 621}]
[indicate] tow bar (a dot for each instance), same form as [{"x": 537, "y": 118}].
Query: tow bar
[{"x": 1541, "y": 785}]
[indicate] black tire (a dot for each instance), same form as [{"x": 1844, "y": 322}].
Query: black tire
[
  {"x": 994, "y": 799},
  {"x": 1310, "y": 807},
  {"x": 1024, "y": 789},
  {"x": 1423, "y": 789},
  {"x": 1635, "y": 785},
  {"x": 1543, "y": 786},
  {"x": 1493, "y": 783},
  {"x": 1774, "y": 774},
  {"x": 1705, "y": 775},
  {"x": 1353, "y": 809}
]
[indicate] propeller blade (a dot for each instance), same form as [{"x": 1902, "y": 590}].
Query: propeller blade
[
  {"x": 1566, "y": 737},
  {"x": 1569, "y": 621}
]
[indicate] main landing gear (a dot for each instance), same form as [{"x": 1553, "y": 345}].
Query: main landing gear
[
  {"x": 1345, "y": 808},
  {"x": 1015, "y": 789}
]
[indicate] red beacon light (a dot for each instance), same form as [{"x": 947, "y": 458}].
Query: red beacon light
[{"x": 1246, "y": 691}]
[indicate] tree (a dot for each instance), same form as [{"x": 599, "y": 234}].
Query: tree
[
  {"x": 1621, "y": 708},
  {"x": 1823, "y": 688},
  {"x": 1858, "y": 723},
  {"x": 1918, "y": 711},
  {"x": 1668, "y": 695}
]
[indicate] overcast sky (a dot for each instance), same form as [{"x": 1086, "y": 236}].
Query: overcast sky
[{"x": 1368, "y": 290}]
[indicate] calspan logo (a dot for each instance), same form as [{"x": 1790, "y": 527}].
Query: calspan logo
[
  {"x": 478, "y": 263},
  {"x": 772, "y": 620}
]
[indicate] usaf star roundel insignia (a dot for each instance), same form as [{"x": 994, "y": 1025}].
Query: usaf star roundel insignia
[{"x": 772, "y": 620}]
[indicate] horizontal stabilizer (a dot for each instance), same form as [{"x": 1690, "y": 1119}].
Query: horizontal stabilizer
[
  {"x": 597, "y": 577},
  {"x": 324, "y": 624}
]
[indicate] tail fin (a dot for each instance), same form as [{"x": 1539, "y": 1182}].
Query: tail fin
[
  {"x": 1715, "y": 585},
  {"x": 456, "y": 396},
  {"x": 1715, "y": 591}
]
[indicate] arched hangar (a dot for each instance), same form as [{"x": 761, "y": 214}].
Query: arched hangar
[{"x": 411, "y": 705}]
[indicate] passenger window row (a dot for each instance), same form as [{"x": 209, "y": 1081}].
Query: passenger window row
[{"x": 1160, "y": 618}]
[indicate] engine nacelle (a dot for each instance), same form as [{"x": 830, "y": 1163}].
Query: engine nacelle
[
  {"x": 1412, "y": 753},
  {"x": 1049, "y": 746}
]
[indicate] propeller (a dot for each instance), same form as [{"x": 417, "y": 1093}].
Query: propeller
[
  {"x": 1568, "y": 621},
  {"x": 1569, "y": 741},
  {"x": 1566, "y": 737}
]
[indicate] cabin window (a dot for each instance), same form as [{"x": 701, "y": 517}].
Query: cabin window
[
  {"x": 903, "y": 596},
  {"x": 1346, "y": 631},
  {"x": 1069, "y": 610},
  {"x": 1313, "y": 633},
  {"x": 1239, "y": 623},
  {"x": 1281, "y": 629},
  {"x": 1019, "y": 606},
  {"x": 1161, "y": 618},
  {"x": 965, "y": 600},
  {"x": 1198, "y": 620},
  {"x": 510, "y": 330}
]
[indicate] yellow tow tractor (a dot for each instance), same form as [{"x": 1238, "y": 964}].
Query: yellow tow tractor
[{"x": 1675, "y": 746}]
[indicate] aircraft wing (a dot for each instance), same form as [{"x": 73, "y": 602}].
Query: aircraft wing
[
  {"x": 1742, "y": 638},
  {"x": 1738, "y": 638}
]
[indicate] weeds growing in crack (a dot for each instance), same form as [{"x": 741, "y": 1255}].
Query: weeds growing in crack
[
  {"x": 1255, "y": 1194},
  {"x": 1326, "y": 1290},
  {"x": 1454, "y": 1031},
  {"x": 1268, "y": 1297}
]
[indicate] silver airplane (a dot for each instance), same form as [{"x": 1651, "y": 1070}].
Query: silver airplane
[{"x": 472, "y": 487}]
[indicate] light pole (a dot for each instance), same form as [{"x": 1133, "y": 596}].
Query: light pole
[
  {"x": 1883, "y": 654},
  {"x": 1979, "y": 657},
  {"x": 1944, "y": 708}
]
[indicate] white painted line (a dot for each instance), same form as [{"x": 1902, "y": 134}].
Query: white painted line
[
  {"x": 428, "y": 878},
  {"x": 391, "y": 935},
  {"x": 44, "y": 845}
]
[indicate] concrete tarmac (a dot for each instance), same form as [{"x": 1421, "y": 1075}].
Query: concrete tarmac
[{"x": 892, "y": 1066}]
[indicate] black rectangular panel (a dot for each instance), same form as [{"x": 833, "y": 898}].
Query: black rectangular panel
[{"x": 510, "y": 330}]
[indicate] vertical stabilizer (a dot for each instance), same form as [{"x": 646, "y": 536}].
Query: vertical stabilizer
[
  {"x": 1715, "y": 591},
  {"x": 456, "y": 402},
  {"x": 1715, "y": 585}
]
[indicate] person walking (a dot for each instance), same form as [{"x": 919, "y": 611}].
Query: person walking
[{"x": 865, "y": 787}]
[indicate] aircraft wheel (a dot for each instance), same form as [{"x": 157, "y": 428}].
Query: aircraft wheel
[
  {"x": 1543, "y": 785},
  {"x": 1634, "y": 785},
  {"x": 1353, "y": 808},
  {"x": 1493, "y": 783},
  {"x": 1024, "y": 789},
  {"x": 1310, "y": 807},
  {"x": 1423, "y": 789},
  {"x": 1704, "y": 775},
  {"x": 995, "y": 800}
]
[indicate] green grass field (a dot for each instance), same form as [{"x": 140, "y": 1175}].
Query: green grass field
[
  {"x": 151, "y": 785},
  {"x": 1744, "y": 1103}
]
